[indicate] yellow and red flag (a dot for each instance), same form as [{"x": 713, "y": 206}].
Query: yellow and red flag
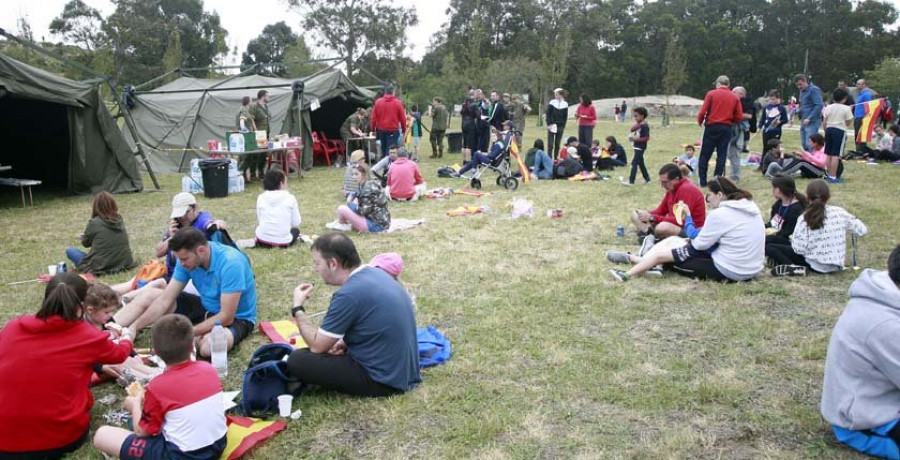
[
  {"x": 872, "y": 111},
  {"x": 514, "y": 152}
]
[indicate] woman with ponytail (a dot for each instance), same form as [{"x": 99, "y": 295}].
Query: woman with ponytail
[
  {"x": 47, "y": 362},
  {"x": 787, "y": 209},
  {"x": 820, "y": 239}
]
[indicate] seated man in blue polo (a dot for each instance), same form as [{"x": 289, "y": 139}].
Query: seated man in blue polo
[
  {"x": 224, "y": 281},
  {"x": 861, "y": 394},
  {"x": 366, "y": 345}
]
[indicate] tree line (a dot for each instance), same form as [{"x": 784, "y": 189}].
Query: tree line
[{"x": 604, "y": 48}]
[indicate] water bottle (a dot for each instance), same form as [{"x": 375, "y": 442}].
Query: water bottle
[{"x": 218, "y": 344}]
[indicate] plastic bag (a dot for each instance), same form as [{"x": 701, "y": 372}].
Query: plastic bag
[{"x": 522, "y": 208}]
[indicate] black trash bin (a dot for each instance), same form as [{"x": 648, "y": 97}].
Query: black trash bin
[
  {"x": 454, "y": 142},
  {"x": 215, "y": 177}
]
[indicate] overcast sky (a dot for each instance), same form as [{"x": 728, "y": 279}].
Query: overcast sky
[{"x": 242, "y": 25}]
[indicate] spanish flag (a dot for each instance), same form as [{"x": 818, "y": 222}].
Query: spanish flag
[
  {"x": 514, "y": 152},
  {"x": 872, "y": 110}
]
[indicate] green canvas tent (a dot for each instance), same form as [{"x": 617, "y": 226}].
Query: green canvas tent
[
  {"x": 176, "y": 120},
  {"x": 60, "y": 132}
]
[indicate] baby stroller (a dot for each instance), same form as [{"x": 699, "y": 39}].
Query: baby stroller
[{"x": 505, "y": 176}]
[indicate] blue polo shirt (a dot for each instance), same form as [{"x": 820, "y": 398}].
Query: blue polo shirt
[
  {"x": 374, "y": 315},
  {"x": 229, "y": 272}
]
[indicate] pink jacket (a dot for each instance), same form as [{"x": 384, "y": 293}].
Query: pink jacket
[
  {"x": 403, "y": 176},
  {"x": 817, "y": 157}
]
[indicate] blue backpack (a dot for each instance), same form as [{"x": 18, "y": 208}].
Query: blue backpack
[
  {"x": 434, "y": 348},
  {"x": 265, "y": 379}
]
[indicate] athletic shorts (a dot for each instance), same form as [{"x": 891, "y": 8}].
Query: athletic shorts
[
  {"x": 834, "y": 141},
  {"x": 191, "y": 306},
  {"x": 157, "y": 448}
]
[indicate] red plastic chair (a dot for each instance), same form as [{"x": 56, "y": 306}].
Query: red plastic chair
[
  {"x": 336, "y": 143},
  {"x": 323, "y": 147}
]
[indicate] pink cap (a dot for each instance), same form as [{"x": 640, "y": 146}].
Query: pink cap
[{"x": 391, "y": 262}]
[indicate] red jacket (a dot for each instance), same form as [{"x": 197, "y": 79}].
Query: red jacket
[
  {"x": 46, "y": 366},
  {"x": 403, "y": 177},
  {"x": 685, "y": 191},
  {"x": 388, "y": 114},
  {"x": 589, "y": 115},
  {"x": 720, "y": 107}
]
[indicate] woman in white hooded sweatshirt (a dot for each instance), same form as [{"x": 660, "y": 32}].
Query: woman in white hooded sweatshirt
[
  {"x": 731, "y": 245},
  {"x": 278, "y": 213}
]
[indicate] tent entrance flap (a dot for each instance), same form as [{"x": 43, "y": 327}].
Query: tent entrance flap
[{"x": 36, "y": 140}]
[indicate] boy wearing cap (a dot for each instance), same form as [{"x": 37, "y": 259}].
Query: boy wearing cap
[{"x": 185, "y": 213}]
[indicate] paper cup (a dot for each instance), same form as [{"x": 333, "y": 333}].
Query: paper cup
[
  {"x": 284, "y": 405},
  {"x": 51, "y": 269}
]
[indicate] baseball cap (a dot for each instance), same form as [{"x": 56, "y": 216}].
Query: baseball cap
[
  {"x": 181, "y": 203},
  {"x": 722, "y": 80},
  {"x": 357, "y": 156}
]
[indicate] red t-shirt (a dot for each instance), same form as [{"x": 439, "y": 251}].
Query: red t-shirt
[
  {"x": 403, "y": 176},
  {"x": 720, "y": 107},
  {"x": 685, "y": 191}
]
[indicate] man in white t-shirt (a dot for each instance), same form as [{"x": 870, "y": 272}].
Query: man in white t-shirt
[{"x": 837, "y": 119}]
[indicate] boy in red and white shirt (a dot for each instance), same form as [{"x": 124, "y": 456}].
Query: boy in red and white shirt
[{"x": 181, "y": 414}]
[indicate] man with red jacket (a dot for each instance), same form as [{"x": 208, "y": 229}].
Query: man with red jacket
[
  {"x": 388, "y": 120},
  {"x": 721, "y": 109},
  {"x": 661, "y": 221}
]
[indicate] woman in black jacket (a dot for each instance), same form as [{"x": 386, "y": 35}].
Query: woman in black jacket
[{"x": 557, "y": 114}]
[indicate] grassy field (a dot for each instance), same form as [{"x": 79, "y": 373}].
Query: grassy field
[{"x": 551, "y": 357}]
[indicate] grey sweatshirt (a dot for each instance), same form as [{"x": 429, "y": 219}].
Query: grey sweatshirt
[
  {"x": 862, "y": 368},
  {"x": 737, "y": 228}
]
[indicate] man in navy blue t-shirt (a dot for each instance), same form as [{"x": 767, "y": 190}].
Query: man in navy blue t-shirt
[{"x": 366, "y": 345}]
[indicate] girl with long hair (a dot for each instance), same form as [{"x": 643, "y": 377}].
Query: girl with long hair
[{"x": 105, "y": 235}]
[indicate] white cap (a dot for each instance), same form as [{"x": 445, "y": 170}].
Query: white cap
[
  {"x": 573, "y": 152},
  {"x": 558, "y": 90},
  {"x": 181, "y": 203}
]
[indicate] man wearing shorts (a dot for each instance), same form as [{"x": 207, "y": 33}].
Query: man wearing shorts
[{"x": 225, "y": 284}]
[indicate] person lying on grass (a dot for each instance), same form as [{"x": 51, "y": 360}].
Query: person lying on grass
[
  {"x": 861, "y": 390},
  {"x": 729, "y": 247},
  {"x": 181, "y": 413},
  {"x": 366, "y": 345},
  {"x": 819, "y": 240},
  {"x": 661, "y": 221}
]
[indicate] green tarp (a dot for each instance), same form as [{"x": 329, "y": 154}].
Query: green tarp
[
  {"x": 60, "y": 132},
  {"x": 204, "y": 109}
]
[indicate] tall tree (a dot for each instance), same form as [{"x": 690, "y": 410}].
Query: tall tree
[
  {"x": 174, "y": 55},
  {"x": 354, "y": 28},
  {"x": 296, "y": 57},
  {"x": 139, "y": 31},
  {"x": 79, "y": 25},
  {"x": 269, "y": 47}
]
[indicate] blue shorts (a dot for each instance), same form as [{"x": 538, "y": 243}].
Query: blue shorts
[
  {"x": 157, "y": 448},
  {"x": 834, "y": 141}
]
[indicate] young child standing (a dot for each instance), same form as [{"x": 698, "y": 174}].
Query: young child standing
[
  {"x": 774, "y": 117},
  {"x": 836, "y": 119},
  {"x": 639, "y": 135},
  {"x": 181, "y": 414},
  {"x": 416, "y": 128}
]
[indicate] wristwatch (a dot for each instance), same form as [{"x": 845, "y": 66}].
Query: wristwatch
[{"x": 296, "y": 309}]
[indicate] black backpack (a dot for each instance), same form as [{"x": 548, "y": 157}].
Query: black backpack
[{"x": 265, "y": 379}]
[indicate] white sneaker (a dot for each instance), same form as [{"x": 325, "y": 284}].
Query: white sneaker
[
  {"x": 647, "y": 244},
  {"x": 246, "y": 243},
  {"x": 339, "y": 226}
]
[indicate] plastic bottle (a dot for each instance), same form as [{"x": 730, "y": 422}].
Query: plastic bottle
[
  {"x": 236, "y": 142},
  {"x": 218, "y": 344}
]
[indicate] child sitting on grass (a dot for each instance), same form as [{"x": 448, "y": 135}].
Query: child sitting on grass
[
  {"x": 181, "y": 413},
  {"x": 810, "y": 165},
  {"x": 687, "y": 162},
  {"x": 100, "y": 304}
]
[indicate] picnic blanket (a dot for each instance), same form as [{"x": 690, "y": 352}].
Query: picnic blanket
[
  {"x": 474, "y": 193},
  {"x": 583, "y": 177},
  {"x": 398, "y": 225},
  {"x": 466, "y": 210},
  {"x": 282, "y": 332},
  {"x": 245, "y": 433}
]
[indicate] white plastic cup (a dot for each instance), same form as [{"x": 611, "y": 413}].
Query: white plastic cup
[
  {"x": 284, "y": 405},
  {"x": 51, "y": 269}
]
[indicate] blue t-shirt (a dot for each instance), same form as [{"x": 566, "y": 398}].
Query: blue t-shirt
[
  {"x": 374, "y": 315},
  {"x": 229, "y": 272}
]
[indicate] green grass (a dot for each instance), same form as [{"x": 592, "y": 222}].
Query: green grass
[{"x": 552, "y": 358}]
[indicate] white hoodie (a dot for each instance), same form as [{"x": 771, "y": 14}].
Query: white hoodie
[
  {"x": 277, "y": 212},
  {"x": 736, "y": 226}
]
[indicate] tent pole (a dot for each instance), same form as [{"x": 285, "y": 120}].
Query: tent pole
[
  {"x": 129, "y": 122},
  {"x": 148, "y": 82},
  {"x": 187, "y": 144}
]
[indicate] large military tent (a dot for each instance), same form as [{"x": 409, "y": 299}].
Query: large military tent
[
  {"x": 176, "y": 120},
  {"x": 60, "y": 132}
]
